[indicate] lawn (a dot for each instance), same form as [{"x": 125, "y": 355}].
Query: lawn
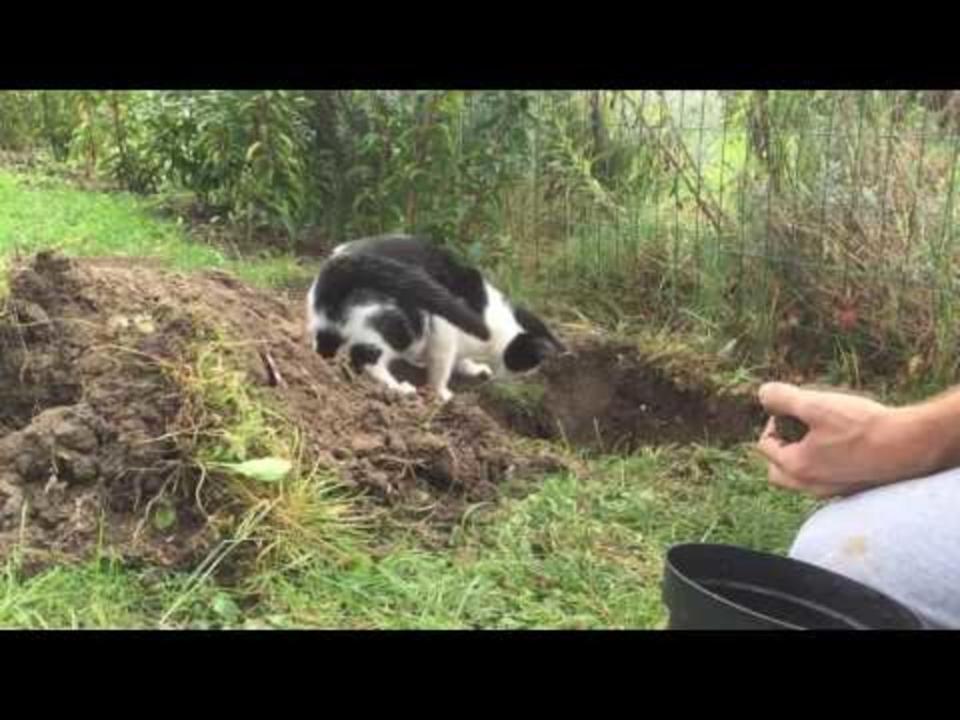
[{"x": 569, "y": 552}]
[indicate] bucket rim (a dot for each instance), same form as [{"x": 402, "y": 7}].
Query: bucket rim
[{"x": 676, "y": 574}]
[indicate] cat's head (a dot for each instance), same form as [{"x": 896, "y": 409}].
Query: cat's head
[
  {"x": 534, "y": 344},
  {"x": 526, "y": 352}
]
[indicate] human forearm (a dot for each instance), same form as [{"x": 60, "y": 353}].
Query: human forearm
[{"x": 926, "y": 435}]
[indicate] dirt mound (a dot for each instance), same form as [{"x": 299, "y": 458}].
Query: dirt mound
[
  {"x": 611, "y": 397},
  {"x": 92, "y": 414}
]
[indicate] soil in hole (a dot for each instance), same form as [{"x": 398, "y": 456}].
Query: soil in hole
[{"x": 609, "y": 397}]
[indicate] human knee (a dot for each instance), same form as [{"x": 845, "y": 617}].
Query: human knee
[{"x": 898, "y": 540}]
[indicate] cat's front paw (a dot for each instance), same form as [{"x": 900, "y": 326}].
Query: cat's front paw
[
  {"x": 406, "y": 388},
  {"x": 475, "y": 370},
  {"x": 479, "y": 371},
  {"x": 444, "y": 395}
]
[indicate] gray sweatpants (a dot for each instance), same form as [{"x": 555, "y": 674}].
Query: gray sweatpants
[{"x": 902, "y": 539}]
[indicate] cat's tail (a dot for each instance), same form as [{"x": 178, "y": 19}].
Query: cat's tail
[{"x": 408, "y": 284}]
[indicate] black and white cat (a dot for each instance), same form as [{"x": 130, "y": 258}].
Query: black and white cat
[{"x": 402, "y": 297}]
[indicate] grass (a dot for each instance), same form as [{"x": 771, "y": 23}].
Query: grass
[
  {"x": 303, "y": 514},
  {"x": 78, "y": 222},
  {"x": 576, "y": 552},
  {"x": 102, "y": 595}
]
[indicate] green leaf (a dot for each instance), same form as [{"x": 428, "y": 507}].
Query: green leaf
[
  {"x": 252, "y": 150},
  {"x": 225, "y": 607},
  {"x": 164, "y": 517},
  {"x": 263, "y": 469}
]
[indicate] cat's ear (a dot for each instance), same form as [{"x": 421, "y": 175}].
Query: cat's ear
[{"x": 535, "y": 326}]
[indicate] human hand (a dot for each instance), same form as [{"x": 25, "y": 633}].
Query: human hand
[{"x": 852, "y": 443}]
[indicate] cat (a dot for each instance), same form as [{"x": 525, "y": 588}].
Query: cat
[{"x": 397, "y": 296}]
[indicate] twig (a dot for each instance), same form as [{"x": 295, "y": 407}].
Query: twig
[{"x": 274, "y": 377}]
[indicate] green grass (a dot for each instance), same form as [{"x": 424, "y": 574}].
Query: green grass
[
  {"x": 83, "y": 223},
  {"x": 574, "y": 553},
  {"x": 101, "y": 594},
  {"x": 577, "y": 553}
]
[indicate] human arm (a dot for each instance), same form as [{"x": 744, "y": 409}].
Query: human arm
[{"x": 854, "y": 443}]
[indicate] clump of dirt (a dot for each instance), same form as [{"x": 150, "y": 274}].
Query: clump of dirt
[
  {"x": 610, "y": 397},
  {"x": 92, "y": 414}
]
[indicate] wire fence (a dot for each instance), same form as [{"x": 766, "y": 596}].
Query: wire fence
[{"x": 799, "y": 222}]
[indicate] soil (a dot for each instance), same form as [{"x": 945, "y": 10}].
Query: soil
[
  {"x": 609, "y": 397},
  {"x": 91, "y": 410}
]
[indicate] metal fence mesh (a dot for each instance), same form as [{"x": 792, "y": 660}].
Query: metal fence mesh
[{"x": 825, "y": 216}]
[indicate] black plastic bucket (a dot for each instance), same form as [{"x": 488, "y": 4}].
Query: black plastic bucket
[{"x": 722, "y": 587}]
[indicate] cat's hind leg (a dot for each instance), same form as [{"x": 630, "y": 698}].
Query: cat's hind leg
[{"x": 376, "y": 363}]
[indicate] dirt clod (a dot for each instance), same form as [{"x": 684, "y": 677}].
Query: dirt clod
[{"x": 790, "y": 429}]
